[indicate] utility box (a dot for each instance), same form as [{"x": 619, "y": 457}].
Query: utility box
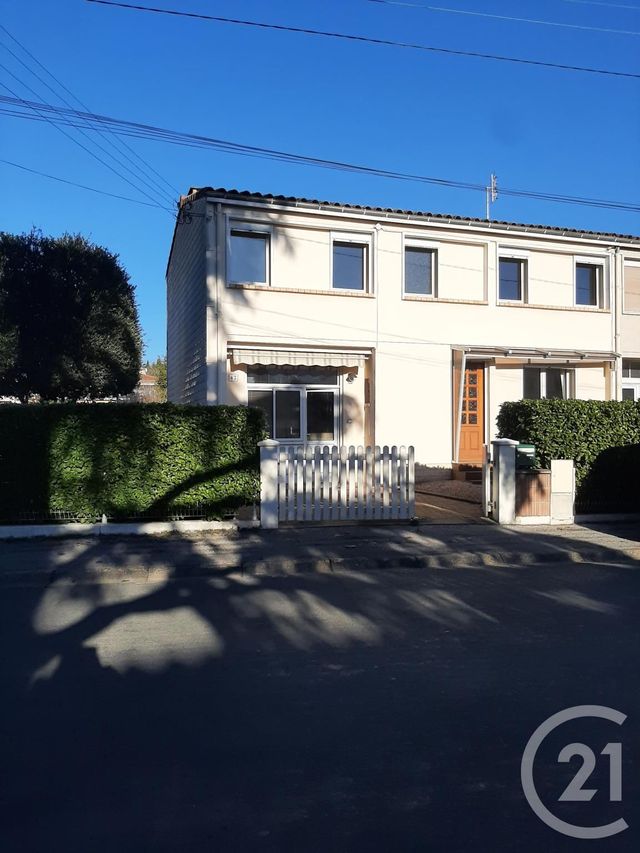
[{"x": 526, "y": 457}]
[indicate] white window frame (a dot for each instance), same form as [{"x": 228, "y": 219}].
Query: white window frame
[
  {"x": 256, "y": 228},
  {"x": 360, "y": 239},
  {"x": 631, "y": 382},
  {"x": 570, "y": 380},
  {"x": 506, "y": 254},
  {"x": 602, "y": 285},
  {"x": 627, "y": 263},
  {"x": 409, "y": 242},
  {"x": 304, "y": 390}
]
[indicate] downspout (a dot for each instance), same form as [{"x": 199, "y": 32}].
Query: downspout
[
  {"x": 616, "y": 258},
  {"x": 221, "y": 342},
  {"x": 211, "y": 306},
  {"x": 373, "y": 375}
]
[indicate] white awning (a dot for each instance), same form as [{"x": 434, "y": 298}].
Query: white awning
[{"x": 295, "y": 358}]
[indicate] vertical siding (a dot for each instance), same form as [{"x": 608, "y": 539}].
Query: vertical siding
[{"x": 186, "y": 312}]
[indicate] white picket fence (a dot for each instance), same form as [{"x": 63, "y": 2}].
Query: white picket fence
[{"x": 329, "y": 483}]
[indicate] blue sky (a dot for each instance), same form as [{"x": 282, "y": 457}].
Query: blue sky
[{"x": 445, "y": 116}]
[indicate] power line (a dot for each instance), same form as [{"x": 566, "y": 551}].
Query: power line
[
  {"x": 503, "y": 17},
  {"x": 195, "y": 140},
  {"x": 142, "y": 180},
  {"x": 145, "y": 164},
  {"x": 42, "y": 109},
  {"x": 367, "y": 39},
  {"x": 151, "y": 132},
  {"x": 606, "y": 5},
  {"x": 75, "y": 184}
]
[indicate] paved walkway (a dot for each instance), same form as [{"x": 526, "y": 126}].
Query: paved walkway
[
  {"x": 317, "y": 549},
  {"x": 449, "y": 502}
]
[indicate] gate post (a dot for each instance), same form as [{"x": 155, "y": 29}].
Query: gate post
[
  {"x": 486, "y": 481},
  {"x": 268, "y": 483},
  {"x": 504, "y": 480},
  {"x": 563, "y": 490}
]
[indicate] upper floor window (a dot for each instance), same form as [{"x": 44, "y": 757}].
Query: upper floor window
[
  {"x": 631, "y": 302},
  {"x": 512, "y": 279},
  {"x": 589, "y": 285},
  {"x": 547, "y": 383},
  {"x": 419, "y": 271},
  {"x": 248, "y": 256},
  {"x": 350, "y": 265}
]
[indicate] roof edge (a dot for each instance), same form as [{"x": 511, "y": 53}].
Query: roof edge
[{"x": 196, "y": 193}]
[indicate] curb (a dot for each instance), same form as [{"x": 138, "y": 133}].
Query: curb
[
  {"x": 144, "y": 528},
  {"x": 286, "y": 567}
]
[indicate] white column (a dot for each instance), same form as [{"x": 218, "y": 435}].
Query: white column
[
  {"x": 562, "y": 490},
  {"x": 504, "y": 480},
  {"x": 269, "y": 450}
]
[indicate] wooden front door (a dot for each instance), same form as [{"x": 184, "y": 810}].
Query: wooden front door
[{"x": 472, "y": 426}]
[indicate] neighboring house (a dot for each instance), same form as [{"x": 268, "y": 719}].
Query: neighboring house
[
  {"x": 146, "y": 391},
  {"x": 360, "y": 325},
  {"x": 628, "y": 322}
]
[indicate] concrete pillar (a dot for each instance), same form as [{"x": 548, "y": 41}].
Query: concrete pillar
[
  {"x": 268, "y": 483},
  {"x": 562, "y": 490},
  {"x": 504, "y": 480}
]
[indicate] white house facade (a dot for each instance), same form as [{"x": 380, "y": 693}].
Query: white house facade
[{"x": 357, "y": 325}]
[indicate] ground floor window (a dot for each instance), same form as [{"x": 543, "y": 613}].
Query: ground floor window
[
  {"x": 630, "y": 379},
  {"x": 300, "y": 404},
  {"x": 547, "y": 383}
]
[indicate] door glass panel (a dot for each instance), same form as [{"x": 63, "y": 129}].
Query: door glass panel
[
  {"x": 531, "y": 381},
  {"x": 555, "y": 384},
  {"x": 473, "y": 419},
  {"x": 287, "y": 414},
  {"x": 320, "y": 416},
  {"x": 263, "y": 400},
  {"x": 473, "y": 378}
]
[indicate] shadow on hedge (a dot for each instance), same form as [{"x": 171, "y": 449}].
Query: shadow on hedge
[
  {"x": 127, "y": 461},
  {"x": 612, "y": 483}
]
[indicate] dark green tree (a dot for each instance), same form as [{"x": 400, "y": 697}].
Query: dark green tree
[
  {"x": 158, "y": 368},
  {"x": 69, "y": 324}
]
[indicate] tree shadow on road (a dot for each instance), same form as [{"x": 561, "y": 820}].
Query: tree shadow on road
[{"x": 260, "y": 712}]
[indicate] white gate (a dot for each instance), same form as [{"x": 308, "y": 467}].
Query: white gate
[{"x": 329, "y": 483}]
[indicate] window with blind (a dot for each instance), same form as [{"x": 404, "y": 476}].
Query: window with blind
[{"x": 631, "y": 302}]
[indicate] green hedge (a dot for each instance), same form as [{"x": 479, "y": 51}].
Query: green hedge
[
  {"x": 603, "y": 438},
  {"x": 128, "y": 461}
]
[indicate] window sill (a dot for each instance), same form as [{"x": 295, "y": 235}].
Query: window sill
[
  {"x": 581, "y": 308},
  {"x": 324, "y": 292},
  {"x": 416, "y": 297}
]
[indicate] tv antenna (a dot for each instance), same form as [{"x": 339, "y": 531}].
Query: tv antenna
[{"x": 491, "y": 194}]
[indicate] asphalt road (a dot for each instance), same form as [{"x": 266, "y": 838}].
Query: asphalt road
[{"x": 373, "y": 711}]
